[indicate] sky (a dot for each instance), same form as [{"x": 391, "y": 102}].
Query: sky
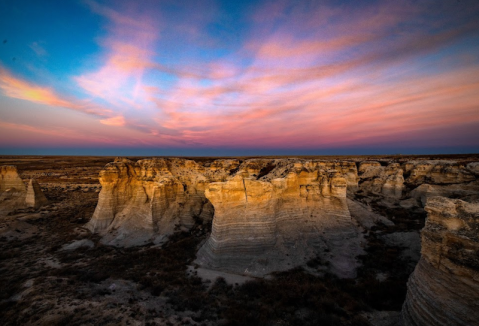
[{"x": 209, "y": 78}]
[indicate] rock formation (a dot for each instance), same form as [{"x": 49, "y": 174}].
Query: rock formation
[
  {"x": 14, "y": 195},
  {"x": 35, "y": 197},
  {"x": 10, "y": 180},
  {"x": 385, "y": 180},
  {"x": 12, "y": 190},
  {"x": 147, "y": 200},
  {"x": 276, "y": 223},
  {"x": 267, "y": 214},
  {"x": 444, "y": 288}
]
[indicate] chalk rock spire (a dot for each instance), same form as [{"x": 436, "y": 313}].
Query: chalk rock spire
[{"x": 35, "y": 197}]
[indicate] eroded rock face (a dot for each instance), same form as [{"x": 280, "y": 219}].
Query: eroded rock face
[
  {"x": 14, "y": 195},
  {"x": 268, "y": 214},
  {"x": 439, "y": 172},
  {"x": 10, "y": 180},
  {"x": 384, "y": 180},
  {"x": 147, "y": 200},
  {"x": 276, "y": 223},
  {"x": 12, "y": 190},
  {"x": 34, "y": 196},
  {"x": 443, "y": 290}
]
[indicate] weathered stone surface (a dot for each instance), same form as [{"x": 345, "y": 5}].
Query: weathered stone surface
[
  {"x": 439, "y": 172},
  {"x": 385, "y": 180},
  {"x": 9, "y": 179},
  {"x": 444, "y": 288},
  {"x": 295, "y": 213},
  {"x": 147, "y": 200},
  {"x": 14, "y": 195},
  {"x": 35, "y": 197},
  {"x": 12, "y": 190}
]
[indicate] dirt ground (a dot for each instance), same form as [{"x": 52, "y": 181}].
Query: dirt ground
[{"x": 43, "y": 282}]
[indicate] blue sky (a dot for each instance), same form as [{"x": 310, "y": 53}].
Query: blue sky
[{"x": 220, "y": 77}]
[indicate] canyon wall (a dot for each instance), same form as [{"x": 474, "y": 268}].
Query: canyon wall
[{"x": 444, "y": 287}]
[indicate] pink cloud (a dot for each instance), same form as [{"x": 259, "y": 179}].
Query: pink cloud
[
  {"x": 115, "y": 121},
  {"x": 17, "y": 88}
]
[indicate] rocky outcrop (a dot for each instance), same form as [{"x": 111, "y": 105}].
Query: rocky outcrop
[
  {"x": 267, "y": 214},
  {"x": 148, "y": 200},
  {"x": 382, "y": 180},
  {"x": 14, "y": 195},
  {"x": 12, "y": 190},
  {"x": 35, "y": 197},
  {"x": 439, "y": 172},
  {"x": 10, "y": 180},
  {"x": 443, "y": 290},
  {"x": 296, "y": 213}
]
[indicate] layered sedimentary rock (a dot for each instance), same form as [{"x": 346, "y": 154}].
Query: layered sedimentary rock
[
  {"x": 439, "y": 172},
  {"x": 14, "y": 195},
  {"x": 268, "y": 214},
  {"x": 442, "y": 178},
  {"x": 275, "y": 213},
  {"x": 280, "y": 221},
  {"x": 147, "y": 200},
  {"x": 444, "y": 288},
  {"x": 12, "y": 190},
  {"x": 34, "y": 196},
  {"x": 385, "y": 180},
  {"x": 10, "y": 180}
]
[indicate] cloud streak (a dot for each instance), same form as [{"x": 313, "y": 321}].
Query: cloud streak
[{"x": 294, "y": 74}]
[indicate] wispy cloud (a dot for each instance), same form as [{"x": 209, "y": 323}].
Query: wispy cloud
[
  {"x": 18, "y": 88},
  {"x": 300, "y": 74},
  {"x": 115, "y": 121},
  {"x": 38, "y": 49}
]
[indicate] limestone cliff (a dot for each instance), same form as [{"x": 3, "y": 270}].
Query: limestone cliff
[
  {"x": 147, "y": 200},
  {"x": 293, "y": 214},
  {"x": 268, "y": 214},
  {"x": 444, "y": 288}
]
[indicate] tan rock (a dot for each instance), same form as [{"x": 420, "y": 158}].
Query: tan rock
[
  {"x": 444, "y": 288},
  {"x": 35, "y": 197},
  {"x": 439, "y": 172},
  {"x": 277, "y": 223},
  {"x": 382, "y": 180},
  {"x": 9, "y": 179},
  {"x": 147, "y": 200},
  {"x": 12, "y": 190}
]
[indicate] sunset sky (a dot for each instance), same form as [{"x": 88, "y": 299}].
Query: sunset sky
[{"x": 239, "y": 77}]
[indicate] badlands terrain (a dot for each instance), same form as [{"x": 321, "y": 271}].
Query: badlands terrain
[{"x": 363, "y": 240}]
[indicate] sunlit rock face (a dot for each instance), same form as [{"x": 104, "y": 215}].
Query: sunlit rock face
[
  {"x": 296, "y": 212},
  {"x": 12, "y": 190},
  {"x": 14, "y": 195},
  {"x": 443, "y": 290},
  {"x": 147, "y": 200},
  {"x": 10, "y": 180},
  {"x": 34, "y": 196}
]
